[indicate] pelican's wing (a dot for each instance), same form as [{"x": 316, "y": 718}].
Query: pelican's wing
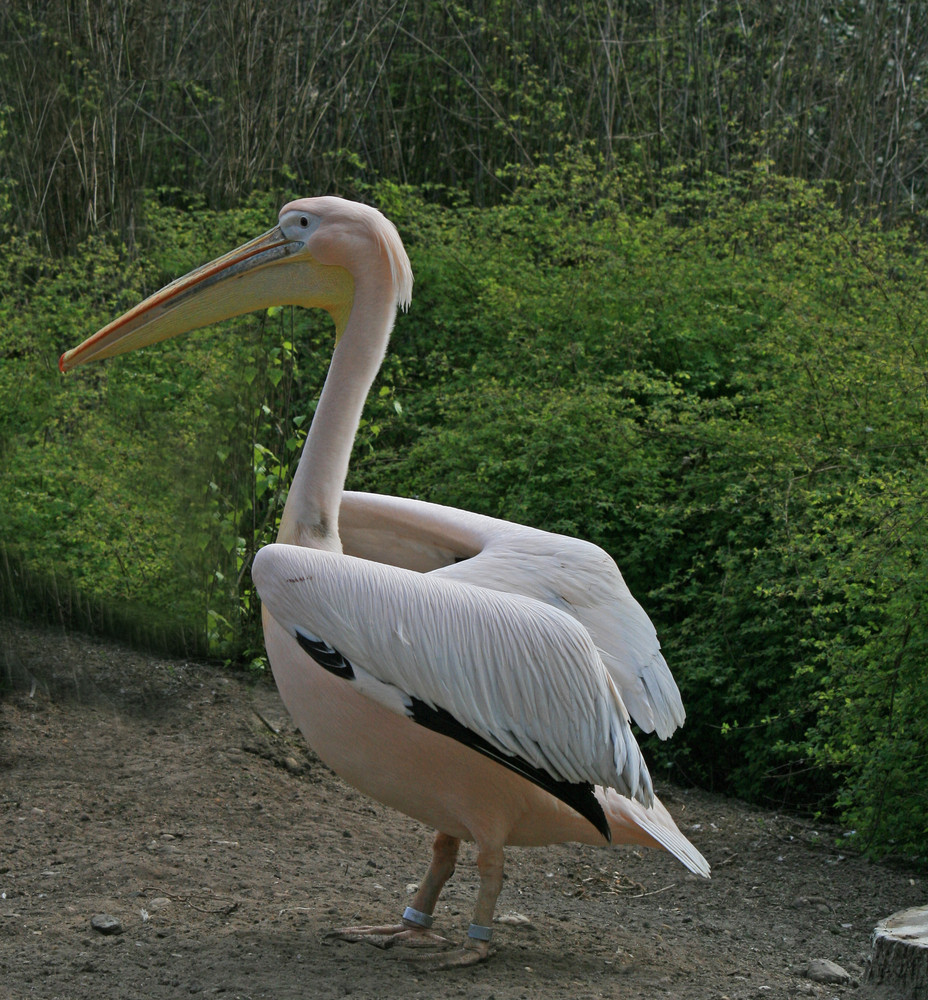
[
  {"x": 520, "y": 675},
  {"x": 569, "y": 574}
]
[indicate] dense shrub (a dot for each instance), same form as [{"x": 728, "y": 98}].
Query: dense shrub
[
  {"x": 729, "y": 395},
  {"x": 727, "y": 392}
]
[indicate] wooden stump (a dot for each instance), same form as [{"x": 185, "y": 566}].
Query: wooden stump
[{"x": 900, "y": 952}]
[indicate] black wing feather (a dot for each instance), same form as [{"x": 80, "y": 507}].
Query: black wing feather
[{"x": 326, "y": 656}]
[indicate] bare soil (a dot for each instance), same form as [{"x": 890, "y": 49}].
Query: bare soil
[{"x": 177, "y": 799}]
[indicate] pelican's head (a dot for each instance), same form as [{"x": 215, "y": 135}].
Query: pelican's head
[{"x": 313, "y": 257}]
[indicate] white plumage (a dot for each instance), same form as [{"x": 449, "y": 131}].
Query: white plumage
[
  {"x": 520, "y": 673},
  {"x": 568, "y": 573}
]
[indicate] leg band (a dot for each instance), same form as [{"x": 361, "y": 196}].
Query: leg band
[
  {"x": 418, "y": 917},
  {"x": 479, "y": 933}
]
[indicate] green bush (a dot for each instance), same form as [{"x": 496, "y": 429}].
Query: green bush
[
  {"x": 728, "y": 394},
  {"x": 725, "y": 389},
  {"x": 105, "y": 491}
]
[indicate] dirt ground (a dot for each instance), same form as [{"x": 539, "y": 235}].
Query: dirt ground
[{"x": 178, "y": 800}]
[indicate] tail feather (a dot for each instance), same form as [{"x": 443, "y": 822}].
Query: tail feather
[{"x": 631, "y": 822}]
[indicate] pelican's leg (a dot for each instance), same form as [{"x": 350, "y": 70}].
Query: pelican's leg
[
  {"x": 444, "y": 859},
  {"x": 477, "y": 945},
  {"x": 415, "y": 930}
]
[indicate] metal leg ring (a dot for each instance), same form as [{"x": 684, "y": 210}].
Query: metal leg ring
[{"x": 418, "y": 917}]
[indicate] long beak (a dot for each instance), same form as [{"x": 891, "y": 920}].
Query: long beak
[{"x": 236, "y": 283}]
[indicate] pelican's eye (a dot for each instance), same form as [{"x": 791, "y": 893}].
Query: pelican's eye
[{"x": 298, "y": 225}]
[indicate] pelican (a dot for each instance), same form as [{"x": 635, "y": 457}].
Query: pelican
[{"x": 474, "y": 674}]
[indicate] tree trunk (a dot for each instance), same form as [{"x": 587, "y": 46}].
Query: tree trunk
[{"x": 900, "y": 952}]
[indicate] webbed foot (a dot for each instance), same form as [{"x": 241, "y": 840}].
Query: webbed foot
[{"x": 389, "y": 935}]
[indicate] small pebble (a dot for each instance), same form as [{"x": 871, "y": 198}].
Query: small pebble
[
  {"x": 821, "y": 970},
  {"x": 105, "y": 924}
]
